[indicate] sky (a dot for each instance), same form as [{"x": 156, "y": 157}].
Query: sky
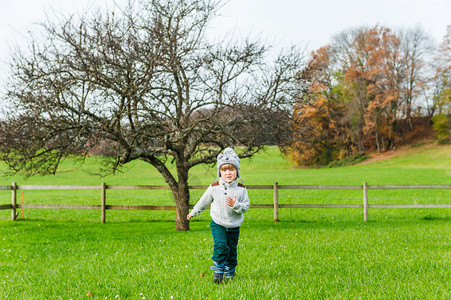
[{"x": 308, "y": 24}]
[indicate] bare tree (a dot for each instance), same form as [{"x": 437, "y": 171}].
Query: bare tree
[
  {"x": 146, "y": 80},
  {"x": 417, "y": 49}
]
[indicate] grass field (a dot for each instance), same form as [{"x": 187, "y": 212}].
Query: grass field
[{"x": 311, "y": 253}]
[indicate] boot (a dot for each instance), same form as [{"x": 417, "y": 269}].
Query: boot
[
  {"x": 219, "y": 272},
  {"x": 217, "y": 277},
  {"x": 229, "y": 273}
]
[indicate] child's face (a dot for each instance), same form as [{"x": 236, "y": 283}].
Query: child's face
[{"x": 228, "y": 173}]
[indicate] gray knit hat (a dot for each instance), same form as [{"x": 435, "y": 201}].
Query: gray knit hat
[{"x": 229, "y": 157}]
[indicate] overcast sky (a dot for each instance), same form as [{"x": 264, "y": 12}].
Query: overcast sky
[{"x": 306, "y": 23}]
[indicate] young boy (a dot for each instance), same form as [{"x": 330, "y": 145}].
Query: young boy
[{"x": 229, "y": 201}]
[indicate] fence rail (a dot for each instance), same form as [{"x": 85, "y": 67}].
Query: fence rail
[{"x": 275, "y": 187}]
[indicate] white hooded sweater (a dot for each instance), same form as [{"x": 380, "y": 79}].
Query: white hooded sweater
[{"x": 220, "y": 212}]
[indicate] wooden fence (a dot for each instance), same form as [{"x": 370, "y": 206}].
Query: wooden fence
[{"x": 275, "y": 187}]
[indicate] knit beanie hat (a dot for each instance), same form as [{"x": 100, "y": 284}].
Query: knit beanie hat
[{"x": 229, "y": 157}]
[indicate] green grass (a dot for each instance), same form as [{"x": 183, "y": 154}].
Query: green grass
[
  {"x": 308, "y": 257},
  {"x": 311, "y": 253}
]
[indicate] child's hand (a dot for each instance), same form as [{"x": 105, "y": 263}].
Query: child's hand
[
  {"x": 231, "y": 202},
  {"x": 189, "y": 216}
]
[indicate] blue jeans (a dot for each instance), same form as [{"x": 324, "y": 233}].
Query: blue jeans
[{"x": 225, "y": 246}]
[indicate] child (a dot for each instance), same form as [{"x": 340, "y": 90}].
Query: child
[{"x": 229, "y": 201}]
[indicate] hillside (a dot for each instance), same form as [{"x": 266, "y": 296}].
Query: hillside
[
  {"x": 419, "y": 164},
  {"x": 420, "y": 140},
  {"x": 426, "y": 154}
]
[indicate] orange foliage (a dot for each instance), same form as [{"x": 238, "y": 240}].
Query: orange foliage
[
  {"x": 315, "y": 130},
  {"x": 355, "y": 92},
  {"x": 375, "y": 67}
]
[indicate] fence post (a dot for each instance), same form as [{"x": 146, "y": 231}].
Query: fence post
[
  {"x": 276, "y": 201},
  {"x": 365, "y": 202},
  {"x": 23, "y": 210},
  {"x": 103, "y": 202},
  {"x": 13, "y": 201}
]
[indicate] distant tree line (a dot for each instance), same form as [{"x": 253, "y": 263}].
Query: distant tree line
[{"x": 366, "y": 90}]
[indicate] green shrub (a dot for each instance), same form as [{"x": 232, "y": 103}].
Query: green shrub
[
  {"x": 352, "y": 160},
  {"x": 441, "y": 127}
]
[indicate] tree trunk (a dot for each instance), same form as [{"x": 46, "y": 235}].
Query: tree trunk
[
  {"x": 182, "y": 209},
  {"x": 181, "y": 196},
  {"x": 377, "y": 142},
  {"x": 179, "y": 189}
]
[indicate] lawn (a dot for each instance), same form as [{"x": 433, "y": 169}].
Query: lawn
[{"x": 311, "y": 253}]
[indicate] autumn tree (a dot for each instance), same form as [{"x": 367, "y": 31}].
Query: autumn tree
[
  {"x": 442, "y": 97},
  {"x": 375, "y": 72},
  {"x": 366, "y": 83},
  {"x": 315, "y": 132},
  {"x": 316, "y": 124},
  {"x": 145, "y": 80},
  {"x": 350, "y": 59},
  {"x": 384, "y": 74}
]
